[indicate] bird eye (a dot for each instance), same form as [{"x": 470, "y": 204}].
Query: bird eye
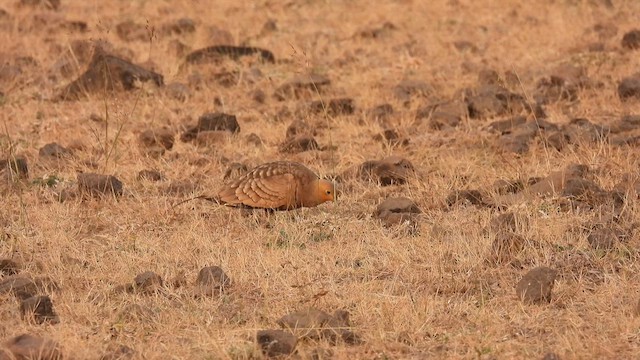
[{"x": 328, "y": 192}]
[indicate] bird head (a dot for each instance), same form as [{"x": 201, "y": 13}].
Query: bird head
[{"x": 325, "y": 191}]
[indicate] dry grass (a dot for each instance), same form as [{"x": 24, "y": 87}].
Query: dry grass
[{"x": 410, "y": 296}]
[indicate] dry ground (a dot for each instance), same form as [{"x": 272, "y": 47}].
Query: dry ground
[{"x": 428, "y": 294}]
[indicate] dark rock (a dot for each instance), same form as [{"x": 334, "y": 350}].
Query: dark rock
[
  {"x": 180, "y": 27},
  {"x": 378, "y": 32},
  {"x": 493, "y": 100},
  {"x": 606, "y": 238},
  {"x": 392, "y": 220},
  {"x": 465, "y": 45},
  {"x": 20, "y": 286},
  {"x": 212, "y": 138},
  {"x": 213, "y": 122},
  {"x": 316, "y": 324},
  {"x": 178, "y": 91},
  {"x": 131, "y": 31},
  {"x": 108, "y": 73},
  {"x": 299, "y": 143},
  {"x": 557, "y": 140},
  {"x": 443, "y": 114},
  {"x": 537, "y": 285},
  {"x": 299, "y": 127},
  {"x": 258, "y": 96},
  {"x": 397, "y": 205},
  {"x": 39, "y": 309},
  {"x": 488, "y": 77},
  {"x": 562, "y": 84},
  {"x": 629, "y": 87},
  {"x": 150, "y": 175},
  {"x": 464, "y": 197},
  {"x": 156, "y": 137},
  {"x": 54, "y": 150},
  {"x": 508, "y": 125},
  {"x": 215, "y": 54},
  {"x": 392, "y": 137},
  {"x": 9, "y": 267},
  {"x": 27, "y": 346},
  {"x": 407, "y": 89},
  {"x": 389, "y": 171},
  {"x": 631, "y": 40},
  {"x": 505, "y": 247},
  {"x": 118, "y": 352},
  {"x": 335, "y": 107},
  {"x": 212, "y": 281},
  {"x": 15, "y": 166},
  {"x": 275, "y": 343},
  {"x": 551, "y": 356},
  {"x": 98, "y": 184},
  {"x": 626, "y": 123},
  {"x": 302, "y": 86},
  {"x": 147, "y": 282},
  {"x": 381, "y": 113},
  {"x": 508, "y": 222},
  {"x": 254, "y": 139}
]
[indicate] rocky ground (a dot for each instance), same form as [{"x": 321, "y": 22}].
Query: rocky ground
[{"x": 485, "y": 153}]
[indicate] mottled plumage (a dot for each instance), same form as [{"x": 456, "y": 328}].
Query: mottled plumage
[{"x": 279, "y": 185}]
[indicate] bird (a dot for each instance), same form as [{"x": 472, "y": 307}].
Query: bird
[{"x": 277, "y": 185}]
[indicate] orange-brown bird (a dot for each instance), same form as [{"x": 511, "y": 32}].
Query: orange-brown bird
[{"x": 279, "y": 185}]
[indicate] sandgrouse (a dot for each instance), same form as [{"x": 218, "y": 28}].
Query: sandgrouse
[{"x": 279, "y": 185}]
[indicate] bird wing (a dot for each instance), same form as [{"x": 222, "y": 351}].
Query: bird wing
[{"x": 271, "y": 192}]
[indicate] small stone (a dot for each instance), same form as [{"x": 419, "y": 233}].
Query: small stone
[
  {"x": 397, "y": 205},
  {"x": 147, "y": 282},
  {"x": 316, "y": 324},
  {"x": 505, "y": 247},
  {"x": 158, "y": 137},
  {"x": 178, "y": 91},
  {"x": 631, "y": 40},
  {"x": 381, "y": 113},
  {"x": 211, "y": 138},
  {"x": 99, "y": 185},
  {"x": 299, "y": 127},
  {"x": 274, "y": 343},
  {"x": 392, "y": 137},
  {"x": 299, "y": 144},
  {"x": 131, "y": 31},
  {"x": 258, "y": 96},
  {"x": 629, "y": 88},
  {"x": 407, "y": 89},
  {"x": 212, "y": 280},
  {"x": 150, "y": 175},
  {"x": 118, "y": 352},
  {"x": 213, "y": 122},
  {"x": 509, "y": 222},
  {"x": 27, "y": 346},
  {"x": 20, "y": 286},
  {"x": 254, "y": 139},
  {"x": 536, "y": 286},
  {"x": 335, "y": 107},
  {"x": 15, "y": 166},
  {"x": 605, "y": 238},
  {"x": 54, "y": 150},
  {"x": 180, "y": 26},
  {"x": 465, "y": 197},
  {"x": 39, "y": 309},
  {"x": 302, "y": 86},
  {"x": 9, "y": 267}
]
